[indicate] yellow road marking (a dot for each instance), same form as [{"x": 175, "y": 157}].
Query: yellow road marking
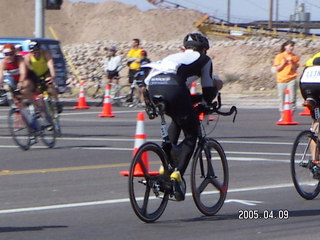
[{"x": 64, "y": 169}]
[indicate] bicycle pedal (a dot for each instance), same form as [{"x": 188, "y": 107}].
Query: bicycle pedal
[{"x": 303, "y": 164}]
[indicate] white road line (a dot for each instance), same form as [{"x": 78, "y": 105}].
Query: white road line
[
  {"x": 88, "y": 113},
  {"x": 154, "y": 140},
  {"x": 126, "y": 200},
  {"x": 130, "y": 149}
]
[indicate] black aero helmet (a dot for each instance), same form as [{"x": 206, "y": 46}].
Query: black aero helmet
[
  {"x": 196, "y": 41},
  {"x": 34, "y": 46},
  {"x": 316, "y": 61}
]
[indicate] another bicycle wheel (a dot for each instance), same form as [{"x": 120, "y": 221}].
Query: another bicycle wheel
[
  {"x": 53, "y": 111},
  {"x": 19, "y": 129},
  {"x": 48, "y": 132},
  {"x": 305, "y": 173},
  {"x": 95, "y": 89},
  {"x": 148, "y": 195},
  {"x": 126, "y": 96},
  {"x": 209, "y": 177}
]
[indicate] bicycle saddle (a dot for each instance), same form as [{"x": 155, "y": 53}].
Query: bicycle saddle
[{"x": 159, "y": 101}]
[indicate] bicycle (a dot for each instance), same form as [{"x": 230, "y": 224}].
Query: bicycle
[
  {"x": 150, "y": 191},
  {"x": 304, "y": 161},
  {"x": 97, "y": 90},
  {"x": 27, "y": 122},
  {"x": 3, "y": 97},
  {"x": 131, "y": 95}
]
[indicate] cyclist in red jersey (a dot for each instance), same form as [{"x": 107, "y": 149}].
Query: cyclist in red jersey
[{"x": 14, "y": 71}]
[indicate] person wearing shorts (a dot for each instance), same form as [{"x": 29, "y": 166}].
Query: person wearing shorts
[
  {"x": 112, "y": 65},
  {"x": 14, "y": 71},
  {"x": 168, "y": 78},
  {"x": 41, "y": 69}
]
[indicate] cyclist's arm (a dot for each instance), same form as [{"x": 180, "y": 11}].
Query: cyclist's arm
[
  {"x": 23, "y": 71},
  {"x": 210, "y": 85},
  {"x": 50, "y": 64},
  {"x": 27, "y": 60},
  {"x": 1, "y": 72}
]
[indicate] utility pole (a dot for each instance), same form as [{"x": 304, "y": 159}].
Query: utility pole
[
  {"x": 277, "y": 10},
  {"x": 270, "y": 14},
  {"x": 228, "y": 11},
  {"x": 39, "y": 19}
]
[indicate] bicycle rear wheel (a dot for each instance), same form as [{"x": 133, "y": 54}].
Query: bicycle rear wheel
[
  {"x": 209, "y": 177},
  {"x": 45, "y": 120},
  {"x": 126, "y": 96},
  {"x": 305, "y": 173},
  {"x": 148, "y": 195},
  {"x": 19, "y": 129}
]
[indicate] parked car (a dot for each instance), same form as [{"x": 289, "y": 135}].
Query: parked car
[{"x": 47, "y": 44}]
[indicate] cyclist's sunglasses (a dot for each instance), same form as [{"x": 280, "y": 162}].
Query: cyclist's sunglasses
[{"x": 9, "y": 53}]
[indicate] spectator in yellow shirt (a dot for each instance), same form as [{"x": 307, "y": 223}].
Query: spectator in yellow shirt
[
  {"x": 133, "y": 59},
  {"x": 286, "y": 64}
]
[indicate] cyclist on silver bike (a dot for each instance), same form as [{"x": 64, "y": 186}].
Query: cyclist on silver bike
[
  {"x": 13, "y": 71},
  {"x": 170, "y": 78}
]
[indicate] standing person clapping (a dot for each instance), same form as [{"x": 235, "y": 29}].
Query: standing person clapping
[{"x": 285, "y": 65}]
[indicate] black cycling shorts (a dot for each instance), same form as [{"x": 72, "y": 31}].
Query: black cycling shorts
[
  {"x": 180, "y": 108},
  {"x": 112, "y": 74},
  {"x": 38, "y": 81},
  {"x": 310, "y": 90},
  {"x": 132, "y": 74}
]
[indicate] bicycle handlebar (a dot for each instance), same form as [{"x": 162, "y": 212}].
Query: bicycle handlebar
[{"x": 215, "y": 108}]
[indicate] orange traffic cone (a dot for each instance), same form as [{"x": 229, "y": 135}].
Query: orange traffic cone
[
  {"x": 107, "y": 106},
  {"x": 287, "y": 118},
  {"x": 82, "y": 104},
  {"x": 306, "y": 112},
  {"x": 140, "y": 138}
]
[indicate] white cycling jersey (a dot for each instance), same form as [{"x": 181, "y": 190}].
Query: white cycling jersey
[{"x": 311, "y": 75}]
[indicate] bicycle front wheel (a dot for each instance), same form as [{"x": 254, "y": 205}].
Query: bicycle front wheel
[
  {"x": 19, "y": 129},
  {"x": 209, "y": 177},
  {"x": 148, "y": 195},
  {"x": 304, "y": 171},
  {"x": 126, "y": 96},
  {"x": 45, "y": 120}
]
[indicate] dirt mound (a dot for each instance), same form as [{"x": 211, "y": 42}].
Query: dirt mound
[
  {"x": 86, "y": 22},
  {"x": 86, "y": 28}
]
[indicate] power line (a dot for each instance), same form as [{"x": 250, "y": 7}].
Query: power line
[
  {"x": 311, "y": 4},
  {"x": 257, "y": 5}
]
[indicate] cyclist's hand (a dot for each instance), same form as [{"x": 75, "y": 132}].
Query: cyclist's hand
[
  {"x": 207, "y": 108},
  {"x": 196, "y": 98}
]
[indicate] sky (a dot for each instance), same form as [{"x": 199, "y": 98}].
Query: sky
[{"x": 241, "y": 11}]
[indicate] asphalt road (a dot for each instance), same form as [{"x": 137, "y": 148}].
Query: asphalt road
[{"x": 75, "y": 191}]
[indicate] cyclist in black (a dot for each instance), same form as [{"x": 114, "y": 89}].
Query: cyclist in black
[{"x": 169, "y": 78}]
